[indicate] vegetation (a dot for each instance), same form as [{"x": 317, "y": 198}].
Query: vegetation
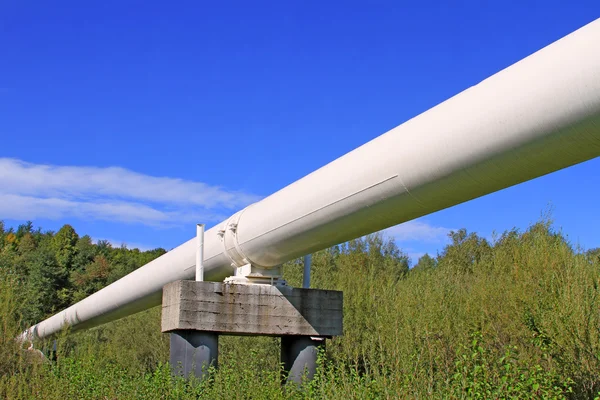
[{"x": 514, "y": 318}]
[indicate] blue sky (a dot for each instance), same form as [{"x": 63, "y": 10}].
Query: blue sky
[{"x": 134, "y": 120}]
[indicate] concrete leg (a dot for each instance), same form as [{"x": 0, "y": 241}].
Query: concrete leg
[
  {"x": 192, "y": 352},
  {"x": 299, "y": 357}
]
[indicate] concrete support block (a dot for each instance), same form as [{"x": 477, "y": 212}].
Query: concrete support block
[
  {"x": 251, "y": 309},
  {"x": 193, "y": 352},
  {"x": 196, "y": 313}
]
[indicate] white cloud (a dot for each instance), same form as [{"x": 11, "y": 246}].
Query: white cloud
[
  {"x": 19, "y": 177},
  {"x": 118, "y": 243},
  {"x": 34, "y": 191},
  {"x": 418, "y": 237},
  {"x": 418, "y": 231}
]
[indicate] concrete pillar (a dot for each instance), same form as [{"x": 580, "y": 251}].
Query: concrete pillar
[
  {"x": 193, "y": 352},
  {"x": 299, "y": 357}
]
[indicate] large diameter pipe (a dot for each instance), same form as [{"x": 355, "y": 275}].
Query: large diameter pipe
[{"x": 535, "y": 117}]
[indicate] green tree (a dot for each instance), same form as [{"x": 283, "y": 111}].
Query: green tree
[
  {"x": 44, "y": 284},
  {"x": 593, "y": 255},
  {"x": 425, "y": 262},
  {"x": 91, "y": 279},
  {"x": 465, "y": 251},
  {"x": 85, "y": 251},
  {"x": 24, "y": 229},
  {"x": 65, "y": 248}
]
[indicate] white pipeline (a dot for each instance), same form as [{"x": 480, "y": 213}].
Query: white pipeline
[{"x": 535, "y": 117}]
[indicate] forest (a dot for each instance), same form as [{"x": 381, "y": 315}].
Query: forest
[{"x": 515, "y": 316}]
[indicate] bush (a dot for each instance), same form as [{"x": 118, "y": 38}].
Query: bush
[{"x": 513, "y": 318}]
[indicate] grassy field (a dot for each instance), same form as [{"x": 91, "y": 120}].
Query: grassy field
[{"x": 516, "y": 318}]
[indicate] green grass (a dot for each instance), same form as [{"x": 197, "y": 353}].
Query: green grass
[{"x": 517, "y": 318}]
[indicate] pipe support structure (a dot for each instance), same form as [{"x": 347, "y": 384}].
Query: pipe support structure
[{"x": 196, "y": 313}]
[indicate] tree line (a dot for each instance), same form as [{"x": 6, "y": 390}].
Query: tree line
[{"x": 57, "y": 269}]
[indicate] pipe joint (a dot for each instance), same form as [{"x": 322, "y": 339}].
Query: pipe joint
[{"x": 229, "y": 237}]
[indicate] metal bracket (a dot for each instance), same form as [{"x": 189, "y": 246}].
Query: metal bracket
[{"x": 251, "y": 275}]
